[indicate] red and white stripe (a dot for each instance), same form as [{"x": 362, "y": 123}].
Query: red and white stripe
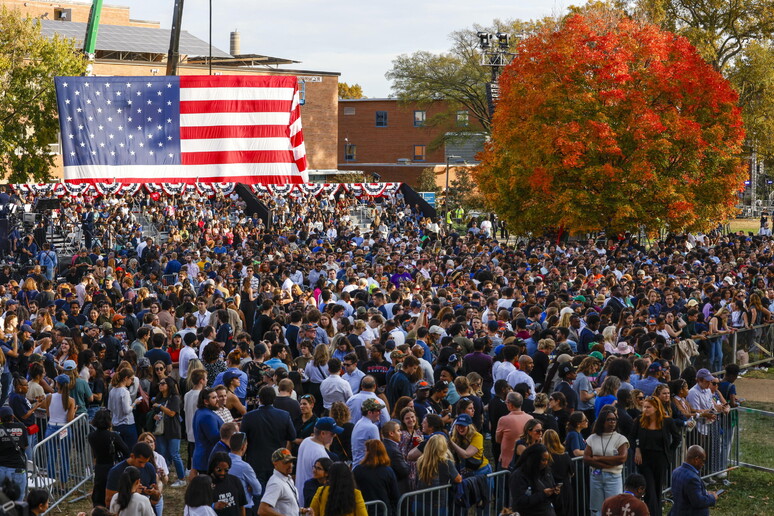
[{"x": 252, "y": 124}]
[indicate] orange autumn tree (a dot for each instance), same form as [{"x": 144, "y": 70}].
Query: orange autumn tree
[{"x": 606, "y": 123}]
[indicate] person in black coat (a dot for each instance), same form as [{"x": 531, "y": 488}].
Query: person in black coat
[
  {"x": 531, "y": 486},
  {"x": 267, "y": 428},
  {"x": 391, "y": 433},
  {"x": 107, "y": 448},
  {"x": 375, "y": 478}
]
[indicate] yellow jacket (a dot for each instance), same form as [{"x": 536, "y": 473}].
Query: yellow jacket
[{"x": 320, "y": 501}]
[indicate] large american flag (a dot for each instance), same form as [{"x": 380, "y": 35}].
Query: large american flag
[{"x": 189, "y": 129}]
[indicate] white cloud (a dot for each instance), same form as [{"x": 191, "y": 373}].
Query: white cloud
[{"x": 358, "y": 39}]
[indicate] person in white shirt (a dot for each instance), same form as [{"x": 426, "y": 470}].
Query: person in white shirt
[
  {"x": 518, "y": 376},
  {"x": 501, "y": 370},
  {"x": 280, "y": 498},
  {"x": 334, "y": 388},
  {"x": 311, "y": 449},
  {"x": 187, "y": 353},
  {"x": 202, "y": 315}
]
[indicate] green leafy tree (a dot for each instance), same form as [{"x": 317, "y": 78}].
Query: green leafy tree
[
  {"x": 28, "y": 113},
  {"x": 753, "y": 77},
  {"x": 456, "y": 76},
  {"x": 350, "y": 92},
  {"x": 426, "y": 181},
  {"x": 463, "y": 191},
  {"x": 719, "y": 29}
]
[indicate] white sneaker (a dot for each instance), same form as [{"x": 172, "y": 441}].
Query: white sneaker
[{"x": 179, "y": 483}]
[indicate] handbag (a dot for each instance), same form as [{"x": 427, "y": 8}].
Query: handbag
[
  {"x": 143, "y": 407},
  {"x": 33, "y": 429},
  {"x": 159, "y": 428}
]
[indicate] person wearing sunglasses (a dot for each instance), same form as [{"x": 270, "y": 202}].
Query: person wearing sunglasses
[
  {"x": 605, "y": 453},
  {"x": 230, "y": 499}
]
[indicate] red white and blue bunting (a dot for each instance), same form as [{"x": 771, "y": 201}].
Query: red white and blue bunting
[
  {"x": 280, "y": 190},
  {"x": 206, "y": 189},
  {"x": 106, "y": 188},
  {"x": 173, "y": 188}
]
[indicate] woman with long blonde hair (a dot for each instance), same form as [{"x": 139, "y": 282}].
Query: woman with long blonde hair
[{"x": 435, "y": 467}]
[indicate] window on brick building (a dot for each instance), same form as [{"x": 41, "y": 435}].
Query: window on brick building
[
  {"x": 381, "y": 119},
  {"x": 420, "y": 153},
  {"x": 349, "y": 110},
  {"x": 350, "y": 152},
  {"x": 419, "y": 118},
  {"x": 462, "y": 118}
]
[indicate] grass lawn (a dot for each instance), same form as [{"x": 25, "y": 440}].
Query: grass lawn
[
  {"x": 745, "y": 225},
  {"x": 758, "y": 374}
]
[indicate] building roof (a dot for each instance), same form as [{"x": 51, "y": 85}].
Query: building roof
[{"x": 120, "y": 38}]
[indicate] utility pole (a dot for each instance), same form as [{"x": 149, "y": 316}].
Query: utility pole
[{"x": 173, "y": 55}]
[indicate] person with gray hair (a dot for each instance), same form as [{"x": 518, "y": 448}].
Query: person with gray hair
[{"x": 510, "y": 427}]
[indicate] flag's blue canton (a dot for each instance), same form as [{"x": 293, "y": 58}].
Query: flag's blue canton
[{"x": 119, "y": 121}]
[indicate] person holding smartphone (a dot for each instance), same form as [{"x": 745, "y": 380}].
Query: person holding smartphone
[{"x": 689, "y": 493}]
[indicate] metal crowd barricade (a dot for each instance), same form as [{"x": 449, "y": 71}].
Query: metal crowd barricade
[
  {"x": 720, "y": 440},
  {"x": 433, "y": 501},
  {"x": 757, "y": 342},
  {"x": 62, "y": 461},
  {"x": 498, "y": 496},
  {"x": 756, "y": 449},
  {"x": 377, "y": 508}
]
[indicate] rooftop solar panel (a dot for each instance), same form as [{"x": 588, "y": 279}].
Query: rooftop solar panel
[{"x": 120, "y": 38}]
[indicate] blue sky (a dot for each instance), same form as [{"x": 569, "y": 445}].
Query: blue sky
[{"x": 357, "y": 39}]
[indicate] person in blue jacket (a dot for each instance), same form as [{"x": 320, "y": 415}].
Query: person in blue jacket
[
  {"x": 206, "y": 426},
  {"x": 688, "y": 491}
]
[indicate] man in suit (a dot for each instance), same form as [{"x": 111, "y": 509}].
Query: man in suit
[
  {"x": 268, "y": 428},
  {"x": 688, "y": 492},
  {"x": 87, "y": 225},
  {"x": 391, "y": 435}
]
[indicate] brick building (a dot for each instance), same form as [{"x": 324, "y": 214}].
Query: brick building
[
  {"x": 397, "y": 140},
  {"x": 127, "y": 47}
]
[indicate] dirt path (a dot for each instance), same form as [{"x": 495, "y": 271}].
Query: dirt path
[{"x": 755, "y": 389}]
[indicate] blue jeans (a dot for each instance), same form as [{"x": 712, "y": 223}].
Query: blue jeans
[
  {"x": 170, "y": 450},
  {"x": 716, "y": 354},
  {"x": 18, "y": 477},
  {"x": 58, "y": 451},
  {"x": 159, "y": 507},
  {"x": 32, "y": 440},
  {"x": 603, "y": 485},
  {"x": 128, "y": 433}
]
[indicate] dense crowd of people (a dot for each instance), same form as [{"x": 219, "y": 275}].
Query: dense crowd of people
[{"x": 316, "y": 366}]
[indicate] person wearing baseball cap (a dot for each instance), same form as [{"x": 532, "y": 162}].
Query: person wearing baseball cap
[
  {"x": 653, "y": 379},
  {"x": 280, "y": 495},
  {"x": 468, "y": 444},
  {"x": 312, "y": 448},
  {"x": 365, "y": 428}
]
